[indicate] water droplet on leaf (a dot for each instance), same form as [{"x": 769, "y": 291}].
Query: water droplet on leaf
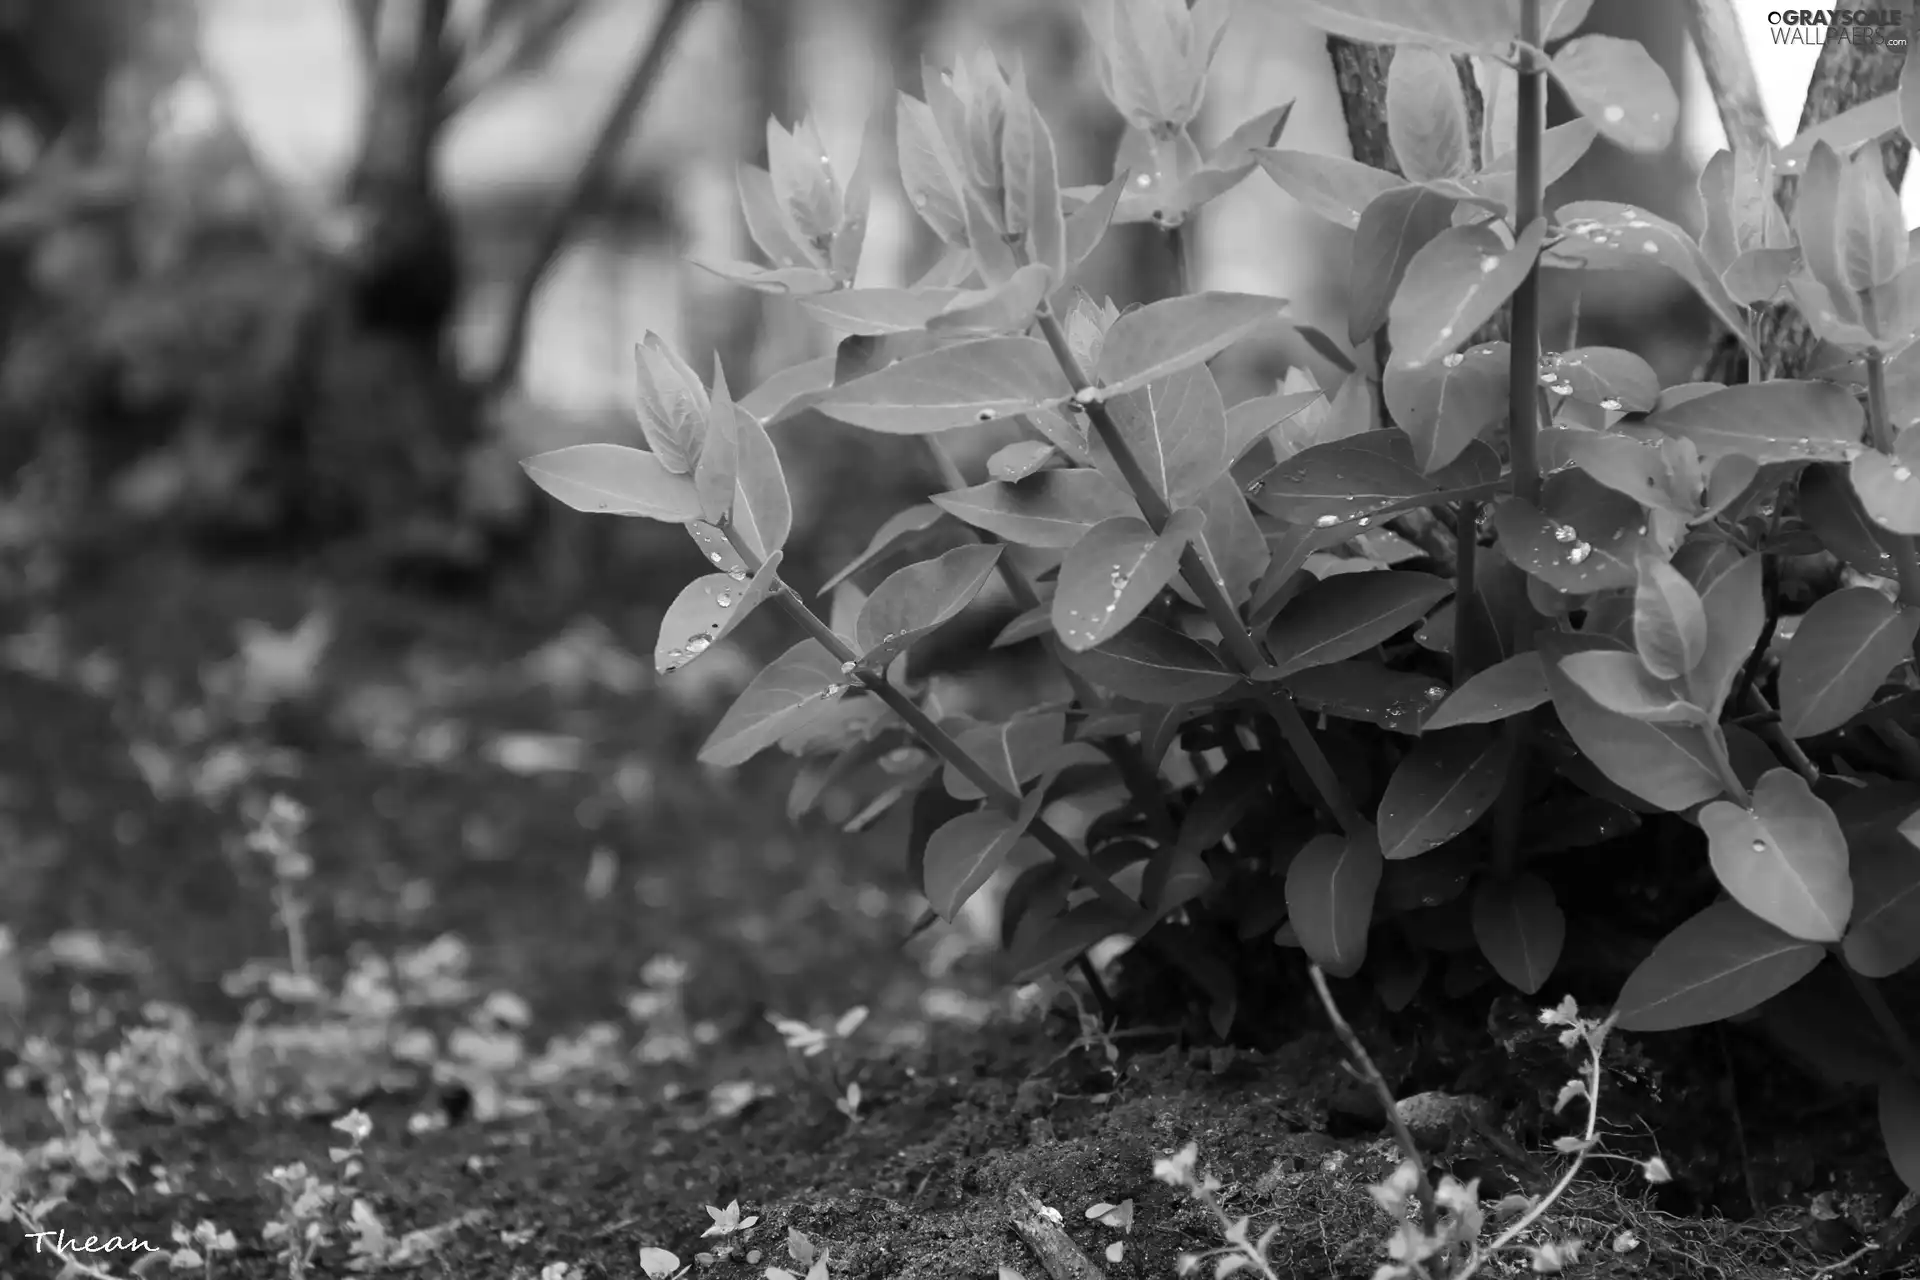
[
  {"x": 1578, "y": 552},
  {"x": 1327, "y": 521},
  {"x": 1453, "y": 361}
]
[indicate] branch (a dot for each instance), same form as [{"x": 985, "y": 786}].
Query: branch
[
  {"x": 553, "y": 234},
  {"x": 1736, "y": 90}
]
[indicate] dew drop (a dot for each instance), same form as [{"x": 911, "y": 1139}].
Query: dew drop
[
  {"x": 986, "y": 415},
  {"x": 1436, "y": 691},
  {"x": 1446, "y": 332},
  {"x": 1327, "y": 521},
  {"x": 1364, "y": 521},
  {"x": 1255, "y": 488},
  {"x": 1578, "y": 552},
  {"x": 1759, "y": 846},
  {"x": 834, "y": 690},
  {"x": 697, "y": 645},
  {"x": 716, "y": 557},
  {"x": 738, "y": 575},
  {"x": 1902, "y": 472},
  {"x": 1564, "y": 533},
  {"x": 1614, "y": 114},
  {"x": 724, "y": 600},
  {"x": 1453, "y": 361},
  {"x": 1611, "y": 403},
  {"x": 919, "y": 199},
  {"x": 1560, "y": 388},
  {"x": 1649, "y": 246},
  {"x": 1489, "y": 264},
  {"x": 1144, "y": 180}
]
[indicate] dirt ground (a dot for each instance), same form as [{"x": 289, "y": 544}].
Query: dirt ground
[{"x": 549, "y": 818}]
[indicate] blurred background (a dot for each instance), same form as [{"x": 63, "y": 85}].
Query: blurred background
[{"x": 304, "y": 279}]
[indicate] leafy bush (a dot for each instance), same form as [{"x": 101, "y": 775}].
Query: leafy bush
[{"x": 1602, "y": 649}]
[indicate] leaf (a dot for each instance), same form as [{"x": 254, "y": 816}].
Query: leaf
[
  {"x": 1052, "y": 509},
  {"x": 1606, "y": 376},
  {"x": 1014, "y": 753},
  {"x": 1114, "y": 572},
  {"x": 1888, "y": 490},
  {"x": 1884, "y": 936},
  {"x": 1831, "y": 508},
  {"x": 789, "y": 391},
  {"x": 1152, "y": 663},
  {"x": 1348, "y": 614},
  {"x": 967, "y": 850},
  {"x": 1873, "y": 231},
  {"x": 1334, "y": 187},
  {"x": 1458, "y": 26},
  {"x": 1503, "y": 690},
  {"x": 1167, "y": 337},
  {"x": 1176, "y": 875},
  {"x": 1839, "y": 657},
  {"x": 926, "y": 172},
  {"x": 1617, "y": 85},
  {"x": 1230, "y": 544},
  {"x": 1440, "y": 789},
  {"x": 1392, "y": 230},
  {"x": 1366, "y": 691},
  {"x": 898, "y": 526},
  {"x": 1852, "y": 128},
  {"x": 715, "y": 475},
  {"x": 673, "y": 407},
  {"x": 1006, "y": 307},
  {"x": 1720, "y": 963},
  {"x": 1735, "y": 615},
  {"x": 949, "y": 387},
  {"x": 788, "y": 692},
  {"x": 1783, "y": 858},
  {"x": 1520, "y": 929},
  {"x": 788, "y": 281},
  {"x": 1330, "y": 890},
  {"x": 706, "y": 610},
  {"x": 1042, "y": 944},
  {"x": 1176, "y": 430},
  {"x": 1662, "y": 472},
  {"x": 1251, "y": 421},
  {"x": 762, "y": 509},
  {"x": 1900, "y": 1125},
  {"x": 616, "y": 480},
  {"x": 919, "y": 598},
  {"x": 1445, "y": 405},
  {"x": 767, "y": 222},
  {"x": 1087, "y": 226},
  {"x": 714, "y": 545},
  {"x": 1605, "y": 234},
  {"x": 1669, "y": 622},
  {"x": 1620, "y": 683},
  {"x": 1776, "y": 421},
  {"x": 1588, "y": 537},
  {"x": 870, "y": 312},
  {"x": 1427, "y": 115},
  {"x": 1670, "y": 766},
  {"x": 1370, "y": 476},
  {"x": 1017, "y": 461},
  {"x": 1454, "y": 285}
]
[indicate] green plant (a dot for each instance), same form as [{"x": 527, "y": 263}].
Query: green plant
[{"x": 1208, "y": 575}]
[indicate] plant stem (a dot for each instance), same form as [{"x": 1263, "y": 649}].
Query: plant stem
[
  {"x": 1716, "y": 739},
  {"x": 1142, "y": 781},
  {"x": 1779, "y": 739},
  {"x": 1466, "y": 634},
  {"x": 1239, "y": 642},
  {"x": 1370, "y": 1074},
  {"x": 1180, "y": 247},
  {"x": 939, "y": 740},
  {"x": 1523, "y": 409},
  {"x": 1904, "y": 557},
  {"x": 1884, "y": 1017}
]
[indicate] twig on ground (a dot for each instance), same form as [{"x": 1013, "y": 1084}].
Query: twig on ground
[{"x": 1058, "y": 1254}]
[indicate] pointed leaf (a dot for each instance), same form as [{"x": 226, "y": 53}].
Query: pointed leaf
[
  {"x": 1250, "y": 421},
  {"x": 1606, "y": 376},
  {"x": 1370, "y": 476},
  {"x": 1669, "y": 622},
  {"x": 1730, "y": 592},
  {"x": 900, "y": 525},
  {"x": 1337, "y": 189},
  {"x": 954, "y": 386},
  {"x": 1152, "y": 663},
  {"x": 1052, "y": 509},
  {"x": 1900, "y": 1127},
  {"x": 1392, "y": 230},
  {"x": 792, "y": 689},
  {"x": 1520, "y": 929},
  {"x": 1114, "y": 572},
  {"x": 1008, "y": 307},
  {"x": 1087, "y": 226},
  {"x": 1166, "y": 337},
  {"x": 1662, "y": 472},
  {"x": 1444, "y": 405},
  {"x": 1784, "y": 858},
  {"x": 1368, "y": 692},
  {"x": 1841, "y": 654},
  {"x": 866, "y": 312},
  {"x": 1720, "y": 963},
  {"x": 1427, "y": 115},
  {"x": 1620, "y": 683},
  {"x": 1230, "y": 544},
  {"x": 919, "y": 598},
  {"x": 1348, "y": 614},
  {"x": 762, "y": 509},
  {"x": 1670, "y": 766},
  {"x": 706, "y": 610},
  {"x": 1176, "y": 429},
  {"x": 1503, "y": 690},
  {"x": 1776, "y": 421},
  {"x": 1022, "y": 458},
  {"x": 1616, "y": 84},
  {"x": 715, "y": 475},
  {"x": 615, "y": 480},
  {"x": 967, "y": 850},
  {"x": 1014, "y": 753},
  {"x": 1330, "y": 890},
  {"x": 1884, "y": 937},
  {"x": 1604, "y": 234},
  {"x": 768, "y": 224},
  {"x": 926, "y": 171},
  {"x": 1454, "y": 285},
  {"x": 1588, "y": 537},
  {"x": 1441, "y": 788}
]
